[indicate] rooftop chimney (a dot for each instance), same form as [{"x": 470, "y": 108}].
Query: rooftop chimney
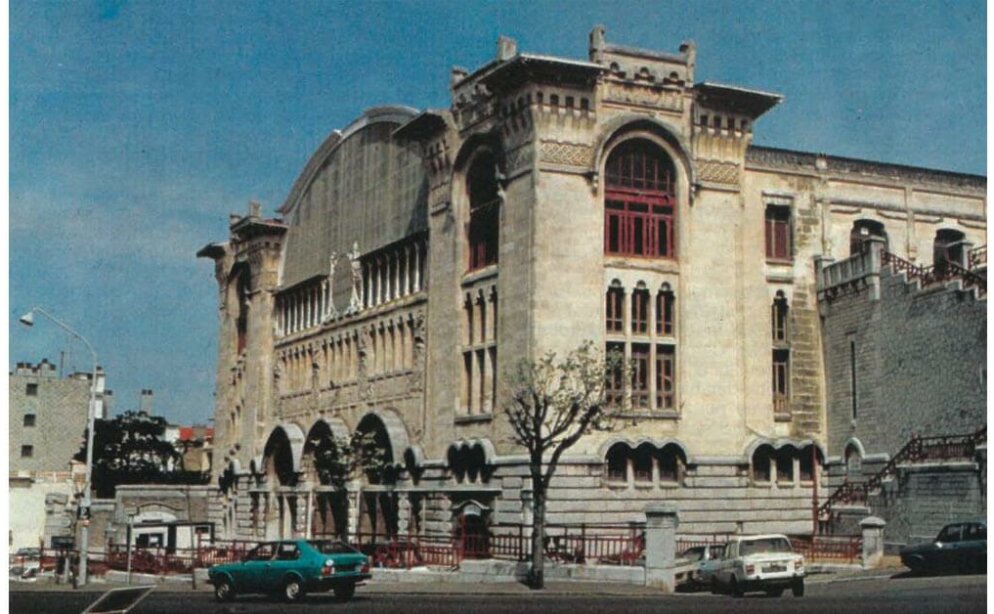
[{"x": 145, "y": 402}]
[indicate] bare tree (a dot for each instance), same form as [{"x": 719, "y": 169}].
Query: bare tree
[{"x": 552, "y": 404}]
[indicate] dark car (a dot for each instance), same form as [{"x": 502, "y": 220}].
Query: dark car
[
  {"x": 960, "y": 546},
  {"x": 292, "y": 569}
]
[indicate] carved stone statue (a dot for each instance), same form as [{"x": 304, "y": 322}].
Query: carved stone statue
[
  {"x": 355, "y": 303},
  {"x": 330, "y": 313}
]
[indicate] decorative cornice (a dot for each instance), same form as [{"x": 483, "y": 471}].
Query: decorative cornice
[{"x": 815, "y": 163}]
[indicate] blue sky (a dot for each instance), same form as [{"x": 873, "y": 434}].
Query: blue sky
[{"x": 136, "y": 127}]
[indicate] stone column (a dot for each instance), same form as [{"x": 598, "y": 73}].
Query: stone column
[
  {"x": 874, "y": 265},
  {"x": 661, "y": 521},
  {"x": 873, "y": 541}
]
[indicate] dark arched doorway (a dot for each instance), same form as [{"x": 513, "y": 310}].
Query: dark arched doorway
[
  {"x": 328, "y": 471},
  {"x": 378, "y": 507}
]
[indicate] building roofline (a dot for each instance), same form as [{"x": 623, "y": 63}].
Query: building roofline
[{"x": 780, "y": 157}]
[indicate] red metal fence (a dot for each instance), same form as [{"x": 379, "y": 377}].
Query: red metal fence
[
  {"x": 597, "y": 544},
  {"x": 844, "y": 549}
]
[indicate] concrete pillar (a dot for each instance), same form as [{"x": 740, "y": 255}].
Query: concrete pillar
[
  {"x": 873, "y": 541},
  {"x": 661, "y": 522},
  {"x": 874, "y": 265}
]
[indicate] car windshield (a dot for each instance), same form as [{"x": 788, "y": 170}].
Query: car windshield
[
  {"x": 765, "y": 545},
  {"x": 332, "y": 547},
  {"x": 693, "y": 554},
  {"x": 717, "y": 552}
]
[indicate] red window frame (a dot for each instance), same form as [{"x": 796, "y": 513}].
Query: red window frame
[
  {"x": 640, "y": 376},
  {"x": 781, "y": 380},
  {"x": 640, "y": 202},
  {"x": 484, "y": 222},
  {"x": 664, "y": 313},
  {"x": 614, "y": 322},
  {"x": 779, "y": 320},
  {"x": 640, "y": 311},
  {"x": 778, "y": 233},
  {"x": 484, "y": 212},
  {"x": 665, "y": 377}
]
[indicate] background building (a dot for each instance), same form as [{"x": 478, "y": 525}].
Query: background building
[
  {"x": 46, "y": 426},
  {"x": 420, "y": 256}
]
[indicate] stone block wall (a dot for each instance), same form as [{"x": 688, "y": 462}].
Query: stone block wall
[
  {"x": 922, "y": 499},
  {"x": 920, "y": 364}
]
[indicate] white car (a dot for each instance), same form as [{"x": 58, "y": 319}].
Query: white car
[{"x": 759, "y": 563}]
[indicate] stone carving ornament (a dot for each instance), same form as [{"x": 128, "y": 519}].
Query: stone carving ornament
[
  {"x": 568, "y": 154},
  {"x": 355, "y": 303},
  {"x": 330, "y": 313}
]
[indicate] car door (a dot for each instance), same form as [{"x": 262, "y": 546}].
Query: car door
[
  {"x": 287, "y": 559},
  {"x": 972, "y": 547},
  {"x": 255, "y": 569},
  {"x": 947, "y": 546}
]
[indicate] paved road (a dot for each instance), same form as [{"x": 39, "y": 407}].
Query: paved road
[{"x": 956, "y": 595}]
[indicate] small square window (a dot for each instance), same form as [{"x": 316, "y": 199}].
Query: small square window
[
  {"x": 27, "y": 451},
  {"x": 31, "y": 390},
  {"x": 29, "y": 419}
]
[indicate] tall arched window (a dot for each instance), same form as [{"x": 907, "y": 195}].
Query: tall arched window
[
  {"x": 484, "y": 211},
  {"x": 862, "y": 231},
  {"x": 640, "y": 201},
  {"x": 779, "y": 318},
  {"x": 615, "y": 309}
]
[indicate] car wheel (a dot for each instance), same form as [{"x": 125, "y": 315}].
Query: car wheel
[
  {"x": 715, "y": 588},
  {"x": 344, "y": 592},
  {"x": 798, "y": 588},
  {"x": 736, "y": 589},
  {"x": 774, "y": 592},
  {"x": 293, "y": 590},
  {"x": 223, "y": 590}
]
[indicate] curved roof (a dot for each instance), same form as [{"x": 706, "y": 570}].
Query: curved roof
[{"x": 361, "y": 187}]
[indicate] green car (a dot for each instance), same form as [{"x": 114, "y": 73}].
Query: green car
[{"x": 292, "y": 569}]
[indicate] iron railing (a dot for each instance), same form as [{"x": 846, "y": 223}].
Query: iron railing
[
  {"x": 937, "y": 273},
  {"x": 917, "y": 450}
]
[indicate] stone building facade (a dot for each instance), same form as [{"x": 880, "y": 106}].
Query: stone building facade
[{"x": 421, "y": 255}]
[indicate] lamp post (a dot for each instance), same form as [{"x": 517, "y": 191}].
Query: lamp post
[{"x": 83, "y": 511}]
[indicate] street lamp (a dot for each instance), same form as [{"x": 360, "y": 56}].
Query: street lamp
[{"x": 83, "y": 511}]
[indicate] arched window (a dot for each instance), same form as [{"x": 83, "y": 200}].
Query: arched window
[
  {"x": 484, "y": 211},
  {"x": 785, "y": 464},
  {"x": 862, "y": 232},
  {"x": 807, "y": 462},
  {"x": 615, "y": 309},
  {"x": 640, "y": 310},
  {"x": 671, "y": 464},
  {"x": 243, "y": 290},
  {"x": 761, "y": 461},
  {"x": 854, "y": 461},
  {"x": 948, "y": 248},
  {"x": 779, "y": 317},
  {"x": 617, "y": 463},
  {"x": 642, "y": 463},
  {"x": 665, "y": 304},
  {"x": 640, "y": 201}
]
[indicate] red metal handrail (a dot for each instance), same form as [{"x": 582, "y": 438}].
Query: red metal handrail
[
  {"x": 918, "y": 449},
  {"x": 946, "y": 271}
]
